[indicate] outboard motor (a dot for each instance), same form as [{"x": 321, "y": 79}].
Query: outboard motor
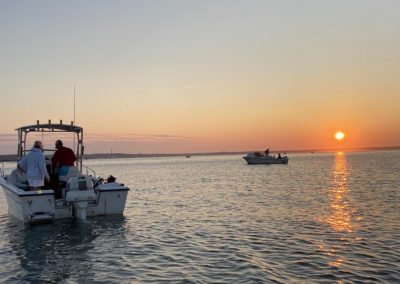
[{"x": 79, "y": 192}]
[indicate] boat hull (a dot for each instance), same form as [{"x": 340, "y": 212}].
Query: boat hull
[
  {"x": 29, "y": 206},
  {"x": 41, "y": 205},
  {"x": 265, "y": 160}
]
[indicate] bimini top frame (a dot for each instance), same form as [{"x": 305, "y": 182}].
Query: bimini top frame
[{"x": 51, "y": 127}]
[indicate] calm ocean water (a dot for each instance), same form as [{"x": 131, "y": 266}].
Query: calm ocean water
[{"x": 324, "y": 218}]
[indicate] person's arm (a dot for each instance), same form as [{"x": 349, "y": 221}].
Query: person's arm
[
  {"x": 42, "y": 167},
  {"x": 73, "y": 154},
  {"x": 22, "y": 164}
]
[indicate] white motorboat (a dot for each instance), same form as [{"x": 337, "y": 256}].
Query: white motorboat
[
  {"x": 81, "y": 194},
  {"x": 258, "y": 158}
]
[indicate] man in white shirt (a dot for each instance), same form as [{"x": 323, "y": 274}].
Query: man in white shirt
[{"x": 35, "y": 167}]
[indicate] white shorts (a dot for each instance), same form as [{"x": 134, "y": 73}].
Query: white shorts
[{"x": 35, "y": 182}]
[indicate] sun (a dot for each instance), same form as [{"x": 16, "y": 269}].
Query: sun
[{"x": 339, "y": 135}]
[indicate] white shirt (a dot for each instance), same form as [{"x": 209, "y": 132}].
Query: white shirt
[{"x": 34, "y": 165}]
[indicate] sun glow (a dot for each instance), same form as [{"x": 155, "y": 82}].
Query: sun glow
[{"x": 339, "y": 135}]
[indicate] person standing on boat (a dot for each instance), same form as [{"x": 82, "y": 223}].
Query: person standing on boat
[
  {"x": 62, "y": 159},
  {"x": 266, "y": 152},
  {"x": 35, "y": 167}
]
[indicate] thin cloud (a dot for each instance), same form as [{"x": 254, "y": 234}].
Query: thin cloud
[
  {"x": 7, "y": 138},
  {"x": 189, "y": 86},
  {"x": 133, "y": 137}
]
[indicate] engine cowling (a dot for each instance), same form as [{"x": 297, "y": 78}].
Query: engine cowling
[{"x": 80, "y": 191}]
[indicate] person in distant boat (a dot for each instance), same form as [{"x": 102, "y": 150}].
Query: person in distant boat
[
  {"x": 35, "y": 167},
  {"x": 266, "y": 152},
  {"x": 279, "y": 156},
  {"x": 62, "y": 159},
  {"x": 18, "y": 178}
]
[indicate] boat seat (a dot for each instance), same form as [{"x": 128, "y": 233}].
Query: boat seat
[
  {"x": 18, "y": 180},
  {"x": 72, "y": 172}
]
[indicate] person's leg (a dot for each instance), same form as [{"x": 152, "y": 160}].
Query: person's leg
[
  {"x": 53, "y": 184},
  {"x": 35, "y": 184},
  {"x": 57, "y": 189}
]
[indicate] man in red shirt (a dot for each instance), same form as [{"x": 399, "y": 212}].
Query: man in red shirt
[{"x": 62, "y": 159}]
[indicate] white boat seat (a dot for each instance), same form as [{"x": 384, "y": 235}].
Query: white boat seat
[{"x": 72, "y": 172}]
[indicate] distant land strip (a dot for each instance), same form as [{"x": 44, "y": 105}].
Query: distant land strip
[{"x": 12, "y": 157}]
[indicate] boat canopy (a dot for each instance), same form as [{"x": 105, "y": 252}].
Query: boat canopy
[
  {"x": 23, "y": 131},
  {"x": 50, "y": 127}
]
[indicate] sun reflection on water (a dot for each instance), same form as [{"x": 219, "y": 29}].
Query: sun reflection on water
[{"x": 340, "y": 211}]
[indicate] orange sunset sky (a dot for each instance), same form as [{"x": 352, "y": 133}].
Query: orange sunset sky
[{"x": 203, "y": 76}]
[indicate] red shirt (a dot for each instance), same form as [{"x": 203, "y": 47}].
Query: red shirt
[{"x": 63, "y": 157}]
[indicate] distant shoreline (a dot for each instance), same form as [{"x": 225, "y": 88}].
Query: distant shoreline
[{"x": 11, "y": 157}]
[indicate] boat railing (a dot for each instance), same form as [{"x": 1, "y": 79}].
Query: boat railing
[
  {"x": 2, "y": 167},
  {"x": 2, "y": 170},
  {"x": 89, "y": 171}
]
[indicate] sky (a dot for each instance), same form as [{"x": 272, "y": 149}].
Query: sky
[{"x": 203, "y": 76}]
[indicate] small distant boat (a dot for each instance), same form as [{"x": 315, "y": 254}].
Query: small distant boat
[
  {"x": 266, "y": 159},
  {"x": 187, "y": 156}
]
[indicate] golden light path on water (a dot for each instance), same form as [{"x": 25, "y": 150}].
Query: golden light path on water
[
  {"x": 340, "y": 216},
  {"x": 340, "y": 210}
]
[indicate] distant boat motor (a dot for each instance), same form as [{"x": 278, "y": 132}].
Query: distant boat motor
[{"x": 79, "y": 192}]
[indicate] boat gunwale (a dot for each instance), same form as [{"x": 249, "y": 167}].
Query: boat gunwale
[
  {"x": 17, "y": 191},
  {"x": 113, "y": 189}
]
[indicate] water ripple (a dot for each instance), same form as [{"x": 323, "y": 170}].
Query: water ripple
[{"x": 324, "y": 218}]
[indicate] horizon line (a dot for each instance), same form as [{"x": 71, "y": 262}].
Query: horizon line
[
  {"x": 138, "y": 155},
  {"x": 249, "y": 151}
]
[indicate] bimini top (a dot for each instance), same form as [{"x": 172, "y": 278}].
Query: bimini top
[
  {"x": 23, "y": 131},
  {"x": 51, "y": 127}
]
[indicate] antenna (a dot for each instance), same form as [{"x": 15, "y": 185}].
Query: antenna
[
  {"x": 74, "y": 104},
  {"x": 74, "y": 116}
]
